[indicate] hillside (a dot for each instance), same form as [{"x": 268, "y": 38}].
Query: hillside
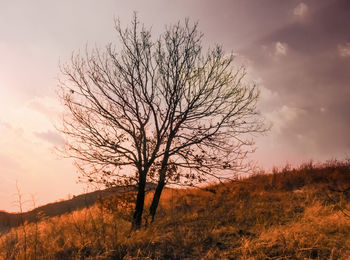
[
  {"x": 298, "y": 213},
  {"x": 9, "y": 220}
]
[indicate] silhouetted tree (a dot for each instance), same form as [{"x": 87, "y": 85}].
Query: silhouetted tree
[{"x": 157, "y": 111}]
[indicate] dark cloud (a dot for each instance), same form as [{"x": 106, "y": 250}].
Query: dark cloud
[
  {"x": 312, "y": 74},
  {"x": 325, "y": 25}
]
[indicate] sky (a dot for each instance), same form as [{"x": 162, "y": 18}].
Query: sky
[{"x": 297, "y": 52}]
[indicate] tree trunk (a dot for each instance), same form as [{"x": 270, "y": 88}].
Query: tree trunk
[
  {"x": 137, "y": 218},
  {"x": 161, "y": 183},
  {"x": 156, "y": 197}
]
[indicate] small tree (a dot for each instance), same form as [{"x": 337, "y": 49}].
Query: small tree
[{"x": 157, "y": 111}]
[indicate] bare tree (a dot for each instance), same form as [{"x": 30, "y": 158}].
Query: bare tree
[{"x": 158, "y": 111}]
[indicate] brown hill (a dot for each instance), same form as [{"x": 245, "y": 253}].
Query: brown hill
[{"x": 301, "y": 213}]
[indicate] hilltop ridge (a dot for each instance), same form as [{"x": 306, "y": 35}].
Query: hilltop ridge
[{"x": 9, "y": 220}]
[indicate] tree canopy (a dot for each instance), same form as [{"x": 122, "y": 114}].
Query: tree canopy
[{"x": 157, "y": 110}]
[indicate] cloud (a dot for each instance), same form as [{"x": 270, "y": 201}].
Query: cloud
[
  {"x": 4, "y": 126},
  {"x": 281, "y": 49},
  {"x": 283, "y": 116},
  {"x": 301, "y": 10},
  {"x": 344, "y": 49},
  {"x": 51, "y": 137},
  {"x": 48, "y": 106},
  {"x": 269, "y": 52},
  {"x": 266, "y": 94}
]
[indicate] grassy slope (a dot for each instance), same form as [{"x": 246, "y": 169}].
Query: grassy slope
[
  {"x": 294, "y": 213},
  {"x": 10, "y": 220}
]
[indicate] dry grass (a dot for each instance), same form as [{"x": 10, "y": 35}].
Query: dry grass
[{"x": 290, "y": 214}]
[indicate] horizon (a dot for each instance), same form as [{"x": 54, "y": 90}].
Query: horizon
[{"x": 297, "y": 52}]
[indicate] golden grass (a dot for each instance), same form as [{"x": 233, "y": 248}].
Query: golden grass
[
  {"x": 291, "y": 214},
  {"x": 320, "y": 234}
]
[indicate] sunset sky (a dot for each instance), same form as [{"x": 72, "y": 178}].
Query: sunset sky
[{"x": 297, "y": 52}]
